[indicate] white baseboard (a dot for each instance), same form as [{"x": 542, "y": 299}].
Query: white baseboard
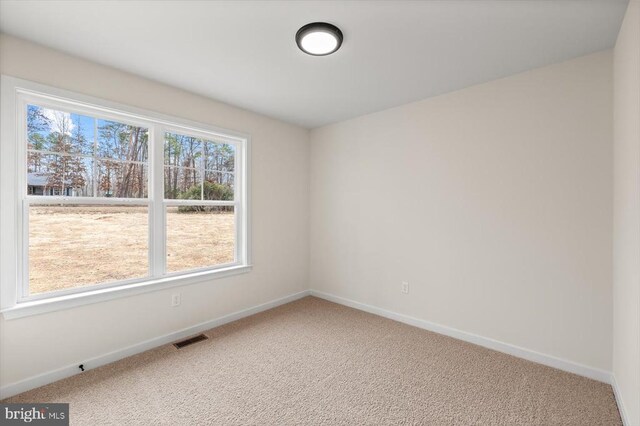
[
  {"x": 530, "y": 355},
  {"x": 621, "y": 407},
  {"x": 548, "y": 360},
  {"x": 70, "y": 370}
]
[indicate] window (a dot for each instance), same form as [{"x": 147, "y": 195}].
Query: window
[
  {"x": 199, "y": 193},
  {"x": 110, "y": 197}
]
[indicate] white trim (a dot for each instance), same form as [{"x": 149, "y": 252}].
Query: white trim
[
  {"x": 243, "y": 218},
  {"x": 619, "y": 401},
  {"x": 57, "y": 303},
  {"x": 71, "y": 370},
  {"x": 56, "y": 199},
  {"x": 178, "y": 202},
  {"x": 157, "y": 222},
  {"x": 517, "y": 351},
  {"x": 9, "y": 210},
  {"x": 116, "y": 110}
]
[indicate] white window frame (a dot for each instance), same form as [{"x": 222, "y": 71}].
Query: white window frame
[{"x": 15, "y": 301}]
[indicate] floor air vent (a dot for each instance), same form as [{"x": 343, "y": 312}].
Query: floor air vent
[{"x": 190, "y": 341}]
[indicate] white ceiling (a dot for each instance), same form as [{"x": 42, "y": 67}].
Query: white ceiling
[{"x": 394, "y": 52}]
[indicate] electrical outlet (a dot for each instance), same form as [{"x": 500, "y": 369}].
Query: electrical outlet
[
  {"x": 405, "y": 287},
  {"x": 175, "y": 300}
]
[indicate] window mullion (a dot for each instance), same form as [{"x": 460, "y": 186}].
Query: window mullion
[
  {"x": 239, "y": 200},
  {"x": 94, "y": 161},
  {"x": 22, "y": 273},
  {"x": 23, "y": 291},
  {"x": 157, "y": 228},
  {"x": 201, "y": 168}
]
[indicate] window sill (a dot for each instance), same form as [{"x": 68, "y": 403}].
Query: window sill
[{"x": 58, "y": 303}]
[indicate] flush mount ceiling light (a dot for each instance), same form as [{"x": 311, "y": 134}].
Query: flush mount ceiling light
[{"x": 319, "y": 38}]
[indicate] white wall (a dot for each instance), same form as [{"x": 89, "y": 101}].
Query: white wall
[
  {"x": 626, "y": 228},
  {"x": 493, "y": 202},
  {"x": 280, "y": 160}
]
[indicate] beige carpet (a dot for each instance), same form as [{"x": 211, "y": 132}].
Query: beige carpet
[{"x": 318, "y": 363}]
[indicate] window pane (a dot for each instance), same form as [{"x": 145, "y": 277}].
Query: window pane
[
  {"x": 121, "y": 170},
  {"x": 219, "y": 156},
  {"x": 77, "y": 246},
  {"x": 198, "y": 169},
  {"x": 66, "y": 175},
  {"x": 121, "y": 179},
  {"x": 118, "y": 141},
  {"x": 218, "y": 186},
  {"x": 59, "y": 131},
  {"x": 182, "y": 151},
  {"x": 182, "y": 184},
  {"x": 199, "y": 237},
  {"x": 186, "y": 184}
]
